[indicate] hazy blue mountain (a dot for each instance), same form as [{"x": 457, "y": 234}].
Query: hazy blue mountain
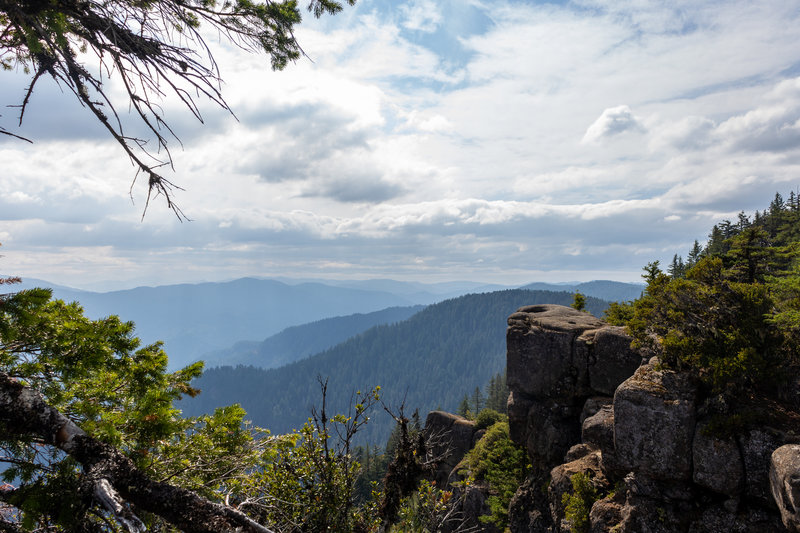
[
  {"x": 611, "y": 291},
  {"x": 193, "y": 319},
  {"x": 301, "y": 341},
  {"x": 417, "y": 292},
  {"x": 432, "y": 360}
]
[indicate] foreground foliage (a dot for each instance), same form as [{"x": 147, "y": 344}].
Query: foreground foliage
[
  {"x": 502, "y": 465},
  {"x": 96, "y": 374},
  {"x": 578, "y": 504}
]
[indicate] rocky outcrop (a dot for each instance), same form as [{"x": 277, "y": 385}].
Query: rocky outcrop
[
  {"x": 582, "y": 401},
  {"x": 558, "y": 358},
  {"x": 449, "y": 437},
  {"x": 563, "y": 366},
  {"x": 656, "y": 410}
]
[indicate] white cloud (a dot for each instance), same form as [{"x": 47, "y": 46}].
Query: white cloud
[
  {"x": 771, "y": 127},
  {"x": 687, "y": 134},
  {"x": 421, "y": 15},
  {"x": 515, "y": 157},
  {"x": 613, "y": 122}
]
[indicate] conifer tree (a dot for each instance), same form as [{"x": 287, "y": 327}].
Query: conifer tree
[
  {"x": 677, "y": 268},
  {"x": 463, "y": 407},
  {"x": 694, "y": 254},
  {"x": 497, "y": 394},
  {"x": 478, "y": 400},
  {"x": 578, "y": 301}
]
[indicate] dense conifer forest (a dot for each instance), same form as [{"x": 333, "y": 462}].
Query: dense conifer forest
[
  {"x": 429, "y": 361},
  {"x": 730, "y": 312},
  {"x": 295, "y": 343}
]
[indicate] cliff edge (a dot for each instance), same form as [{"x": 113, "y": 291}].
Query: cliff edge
[{"x": 654, "y": 454}]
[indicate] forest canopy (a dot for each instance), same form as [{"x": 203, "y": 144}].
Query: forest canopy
[{"x": 731, "y": 312}]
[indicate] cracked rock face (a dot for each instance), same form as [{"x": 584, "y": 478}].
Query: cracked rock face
[
  {"x": 545, "y": 357},
  {"x": 658, "y": 407},
  {"x": 717, "y": 462},
  {"x": 557, "y": 358}
]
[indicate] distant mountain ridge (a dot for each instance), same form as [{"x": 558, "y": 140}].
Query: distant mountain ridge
[
  {"x": 432, "y": 360},
  {"x": 610, "y": 291},
  {"x": 297, "y": 342},
  {"x": 194, "y": 319}
]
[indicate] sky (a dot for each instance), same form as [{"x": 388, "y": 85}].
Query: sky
[{"x": 493, "y": 141}]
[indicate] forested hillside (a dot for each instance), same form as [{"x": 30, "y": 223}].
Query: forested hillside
[
  {"x": 431, "y": 359},
  {"x": 298, "y": 342},
  {"x": 192, "y": 319}
]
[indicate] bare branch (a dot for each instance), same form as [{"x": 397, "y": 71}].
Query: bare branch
[
  {"x": 153, "y": 48},
  {"x": 23, "y": 411}
]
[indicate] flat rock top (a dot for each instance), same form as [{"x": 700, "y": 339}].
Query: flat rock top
[
  {"x": 445, "y": 419},
  {"x": 554, "y": 317}
]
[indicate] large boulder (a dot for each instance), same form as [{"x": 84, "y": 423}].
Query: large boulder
[
  {"x": 545, "y": 358},
  {"x": 717, "y": 462},
  {"x": 784, "y": 479},
  {"x": 449, "y": 438},
  {"x": 598, "y": 429},
  {"x": 556, "y": 356},
  {"x": 654, "y": 421}
]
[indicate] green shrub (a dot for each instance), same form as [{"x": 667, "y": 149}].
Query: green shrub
[
  {"x": 496, "y": 460},
  {"x": 487, "y": 418},
  {"x": 424, "y": 511},
  {"x": 711, "y": 324},
  {"x": 578, "y": 504}
]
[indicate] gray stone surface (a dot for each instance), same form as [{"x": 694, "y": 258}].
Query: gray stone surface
[
  {"x": 598, "y": 429},
  {"x": 717, "y": 463},
  {"x": 544, "y": 357},
  {"x": 605, "y": 515},
  {"x": 757, "y": 446},
  {"x": 594, "y": 404},
  {"x": 784, "y": 479},
  {"x": 549, "y": 434},
  {"x": 517, "y": 409},
  {"x": 528, "y": 511},
  {"x": 611, "y": 359},
  {"x": 654, "y": 420}
]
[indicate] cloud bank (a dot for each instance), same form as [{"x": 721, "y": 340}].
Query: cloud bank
[{"x": 491, "y": 140}]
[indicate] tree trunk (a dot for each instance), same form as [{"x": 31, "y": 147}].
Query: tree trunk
[{"x": 113, "y": 477}]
